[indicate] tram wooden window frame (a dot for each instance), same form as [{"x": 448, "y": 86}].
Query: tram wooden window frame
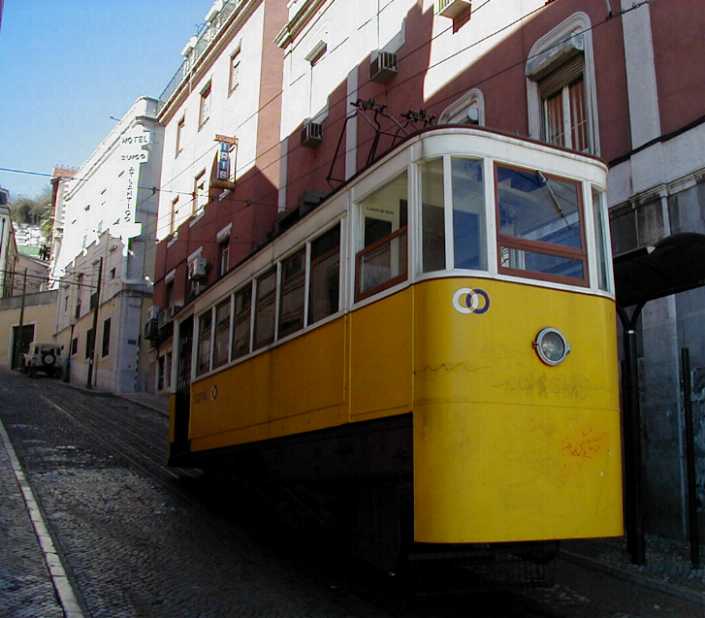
[
  {"x": 359, "y": 296},
  {"x": 541, "y": 247}
]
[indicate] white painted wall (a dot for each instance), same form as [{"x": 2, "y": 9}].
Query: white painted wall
[
  {"x": 353, "y": 30},
  {"x": 230, "y": 114},
  {"x": 94, "y": 201}
]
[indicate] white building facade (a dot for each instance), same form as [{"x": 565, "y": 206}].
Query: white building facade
[{"x": 108, "y": 220}]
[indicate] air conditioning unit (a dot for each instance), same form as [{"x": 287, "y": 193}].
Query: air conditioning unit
[
  {"x": 311, "y": 134},
  {"x": 198, "y": 268},
  {"x": 151, "y": 329},
  {"x": 452, "y": 8},
  {"x": 383, "y": 67}
]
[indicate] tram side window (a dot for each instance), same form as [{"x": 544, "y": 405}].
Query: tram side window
[
  {"x": 264, "y": 308},
  {"x": 241, "y": 322},
  {"x": 603, "y": 259},
  {"x": 432, "y": 217},
  {"x": 382, "y": 260},
  {"x": 540, "y": 227},
  {"x": 324, "y": 279},
  {"x": 222, "y": 331},
  {"x": 204, "y": 342},
  {"x": 469, "y": 231},
  {"x": 291, "y": 306}
]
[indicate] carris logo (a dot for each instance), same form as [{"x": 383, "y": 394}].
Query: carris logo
[{"x": 468, "y": 300}]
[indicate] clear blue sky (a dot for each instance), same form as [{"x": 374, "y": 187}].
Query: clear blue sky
[{"x": 66, "y": 66}]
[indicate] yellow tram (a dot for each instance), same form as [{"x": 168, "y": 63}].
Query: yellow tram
[{"x": 438, "y": 335}]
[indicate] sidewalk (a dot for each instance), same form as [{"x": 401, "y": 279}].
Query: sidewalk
[
  {"x": 32, "y": 579},
  {"x": 667, "y": 567},
  {"x": 152, "y": 401}
]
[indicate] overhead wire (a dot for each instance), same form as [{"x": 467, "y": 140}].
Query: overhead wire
[{"x": 326, "y": 162}]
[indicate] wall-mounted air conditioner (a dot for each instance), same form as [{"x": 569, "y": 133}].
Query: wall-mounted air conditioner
[
  {"x": 452, "y": 8},
  {"x": 198, "y": 268},
  {"x": 311, "y": 134},
  {"x": 384, "y": 67}
]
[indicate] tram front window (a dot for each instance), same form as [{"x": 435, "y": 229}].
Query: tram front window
[
  {"x": 432, "y": 218},
  {"x": 469, "y": 236},
  {"x": 382, "y": 261},
  {"x": 540, "y": 226}
]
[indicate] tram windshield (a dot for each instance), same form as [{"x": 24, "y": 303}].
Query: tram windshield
[{"x": 539, "y": 225}]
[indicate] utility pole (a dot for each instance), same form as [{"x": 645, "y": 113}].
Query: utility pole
[
  {"x": 91, "y": 359},
  {"x": 20, "y": 334}
]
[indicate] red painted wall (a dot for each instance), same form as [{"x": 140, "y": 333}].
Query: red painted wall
[{"x": 678, "y": 29}]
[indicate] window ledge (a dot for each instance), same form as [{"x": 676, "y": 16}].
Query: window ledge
[{"x": 196, "y": 217}]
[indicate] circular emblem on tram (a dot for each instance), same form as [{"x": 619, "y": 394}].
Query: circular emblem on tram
[
  {"x": 214, "y": 392},
  {"x": 469, "y": 300}
]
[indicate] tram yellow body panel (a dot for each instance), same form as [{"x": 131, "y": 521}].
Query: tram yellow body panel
[{"x": 505, "y": 447}]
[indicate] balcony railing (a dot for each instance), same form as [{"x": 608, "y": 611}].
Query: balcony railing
[{"x": 207, "y": 32}]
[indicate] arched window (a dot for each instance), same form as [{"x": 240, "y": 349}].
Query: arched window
[
  {"x": 468, "y": 109},
  {"x": 560, "y": 80}
]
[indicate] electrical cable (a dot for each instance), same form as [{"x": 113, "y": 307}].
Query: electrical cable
[{"x": 327, "y": 162}]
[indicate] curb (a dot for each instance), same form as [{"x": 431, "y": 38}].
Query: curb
[
  {"x": 641, "y": 580},
  {"x": 57, "y": 573},
  {"x": 144, "y": 404},
  {"x": 83, "y": 389}
]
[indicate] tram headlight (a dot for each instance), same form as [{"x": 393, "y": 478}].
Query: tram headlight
[{"x": 551, "y": 346}]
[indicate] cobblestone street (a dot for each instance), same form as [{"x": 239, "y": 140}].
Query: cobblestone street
[{"x": 135, "y": 540}]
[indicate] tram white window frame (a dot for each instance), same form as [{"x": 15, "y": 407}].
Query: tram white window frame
[
  {"x": 548, "y": 56},
  {"x": 389, "y": 173},
  {"x": 542, "y": 247},
  {"x": 603, "y": 214}
]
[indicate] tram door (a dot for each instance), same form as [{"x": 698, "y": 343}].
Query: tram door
[{"x": 182, "y": 409}]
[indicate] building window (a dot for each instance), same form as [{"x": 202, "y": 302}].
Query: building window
[
  {"x": 203, "y": 361},
  {"x": 180, "y": 126},
  {"x": 241, "y": 322},
  {"x": 169, "y": 294},
  {"x": 540, "y": 228},
  {"x": 160, "y": 373},
  {"x": 561, "y": 93},
  {"x": 381, "y": 261},
  {"x": 106, "y": 337},
  {"x": 234, "y": 77},
  {"x": 468, "y": 109},
  {"x": 324, "y": 277},
  {"x": 222, "y": 333},
  {"x": 113, "y": 272},
  {"x": 223, "y": 257},
  {"x": 167, "y": 370},
  {"x": 90, "y": 343},
  {"x": 172, "y": 214},
  {"x": 200, "y": 195},
  {"x": 564, "y": 117},
  {"x": 264, "y": 308},
  {"x": 74, "y": 346},
  {"x": 291, "y": 305},
  {"x": 66, "y": 303},
  {"x": 204, "y": 109}
]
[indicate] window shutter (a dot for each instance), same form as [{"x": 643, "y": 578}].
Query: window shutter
[{"x": 563, "y": 75}]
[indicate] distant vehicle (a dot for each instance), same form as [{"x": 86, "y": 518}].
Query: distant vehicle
[{"x": 46, "y": 357}]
